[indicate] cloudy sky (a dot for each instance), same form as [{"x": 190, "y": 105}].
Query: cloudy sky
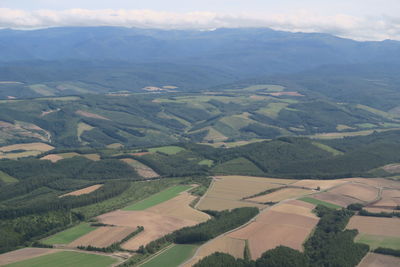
[{"x": 357, "y": 19}]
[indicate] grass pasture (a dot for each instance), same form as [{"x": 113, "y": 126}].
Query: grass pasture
[
  {"x": 171, "y": 257},
  {"x": 67, "y": 259},
  {"x": 69, "y": 235},
  {"x": 170, "y": 150},
  {"x": 158, "y": 198},
  {"x": 320, "y": 202},
  {"x": 207, "y": 162}
]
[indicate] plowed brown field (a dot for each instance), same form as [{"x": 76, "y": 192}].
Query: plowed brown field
[
  {"x": 24, "y": 254},
  {"x": 375, "y": 225},
  {"x": 227, "y": 192},
  {"x": 379, "y": 260},
  {"x": 225, "y": 244},
  {"x": 359, "y": 191},
  {"x": 278, "y": 226},
  {"x": 322, "y": 184}
]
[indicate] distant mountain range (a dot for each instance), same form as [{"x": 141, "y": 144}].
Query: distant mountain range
[{"x": 247, "y": 52}]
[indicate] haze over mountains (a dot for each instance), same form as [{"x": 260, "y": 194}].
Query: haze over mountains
[{"x": 234, "y": 53}]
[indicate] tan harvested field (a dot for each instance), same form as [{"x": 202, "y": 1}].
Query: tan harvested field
[
  {"x": 178, "y": 207},
  {"x": 103, "y": 236},
  {"x": 225, "y": 244},
  {"x": 392, "y": 168},
  {"x": 227, "y": 192},
  {"x": 322, "y": 184},
  {"x": 277, "y": 226},
  {"x": 42, "y": 147},
  {"x": 375, "y": 225},
  {"x": 377, "y": 182},
  {"x": 24, "y": 254},
  {"x": 83, "y": 191},
  {"x": 362, "y": 192},
  {"x": 52, "y": 157},
  {"x": 155, "y": 225},
  {"x": 18, "y": 155},
  {"x": 379, "y": 260},
  {"x": 282, "y": 194},
  {"x": 94, "y": 157},
  {"x": 390, "y": 199},
  {"x": 141, "y": 169},
  {"x": 286, "y": 93},
  {"x": 90, "y": 115},
  {"x": 337, "y": 199}
]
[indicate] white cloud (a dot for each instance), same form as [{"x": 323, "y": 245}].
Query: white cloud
[{"x": 360, "y": 28}]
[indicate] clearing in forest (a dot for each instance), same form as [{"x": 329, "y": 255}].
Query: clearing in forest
[
  {"x": 83, "y": 191},
  {"x": 5, "y": 178},
  {"x": 143, "y": 170},
  {"x": 170, "y": 150},
  {"x": 67, "y": 259},
  {"x": 227, "y": 192}
]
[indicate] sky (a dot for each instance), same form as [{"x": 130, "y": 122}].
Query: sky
[{"x": 356, "y": 19}]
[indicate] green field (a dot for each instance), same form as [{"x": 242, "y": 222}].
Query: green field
[
  {"x": 7, "y": 178},
  {"x": 69, "y": 235},
  {"x": 328, "y": 149},
  {"x": 207, "y": 162},
  {"x": 172, "y": 257},
  {"x": 375, "y": 241},
  {"x": 66, "y": 259},
  {"x": 158, "y": 198},
  {"x": 170, "y": 150},
  {"x": 320, "y": 202},
  {"x": 238, "y": 166}
]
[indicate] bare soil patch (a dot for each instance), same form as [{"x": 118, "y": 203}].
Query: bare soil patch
[
  {"x": 282, "y": 194},
  {"x": 24, "y": 254},
  {"x": 155, "y": 225},
  {"x": 90, "y": 115},
  {"x": 103, "y": 236},
  {"x": 83, "y": 191},
  {"x": 227, "y": 192},
  {"x": 375, "y": 225},
  {"x": 379, "y": 260}
]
